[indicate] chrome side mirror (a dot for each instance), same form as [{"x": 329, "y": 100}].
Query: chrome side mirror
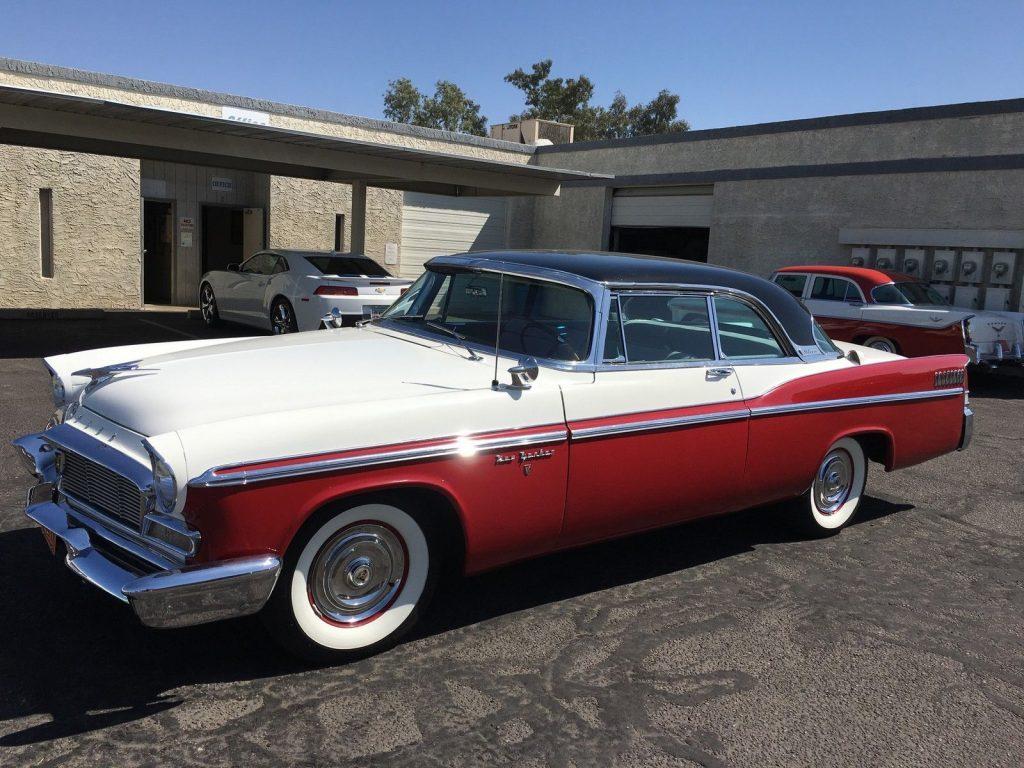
[
  {"x": 524, "y": 373},
  {"x": 333, "y": 319}
]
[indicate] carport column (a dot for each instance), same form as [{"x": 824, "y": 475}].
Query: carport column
[{"x": 358, "y": 217}]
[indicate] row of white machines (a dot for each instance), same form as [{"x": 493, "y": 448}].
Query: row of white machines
[{"x": 970, "y": 278}]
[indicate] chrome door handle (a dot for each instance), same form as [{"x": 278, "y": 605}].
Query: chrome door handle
[{"x": 715, "y": 374}]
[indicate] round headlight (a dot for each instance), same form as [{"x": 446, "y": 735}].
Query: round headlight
[
  {"x": 164, "y": 485},
  {"x": 57, "y": 389}
]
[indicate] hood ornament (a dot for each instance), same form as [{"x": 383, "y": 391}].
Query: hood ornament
[{"x": 99, "y": 376}]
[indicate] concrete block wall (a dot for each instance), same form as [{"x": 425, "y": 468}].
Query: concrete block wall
[{"x": 96, "y": 230}]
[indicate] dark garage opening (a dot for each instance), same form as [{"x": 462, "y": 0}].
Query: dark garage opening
[
  {"x": 223, "y": 236},
  {"x": 158, "y": 253},
  {"x": 678, "y": 242}
]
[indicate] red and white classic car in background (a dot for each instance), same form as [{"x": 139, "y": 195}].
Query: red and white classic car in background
[
  {"x": 899, "y": 313},
  {"x": 508, "y": 405}
]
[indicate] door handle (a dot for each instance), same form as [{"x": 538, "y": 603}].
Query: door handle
[{"x": 716, "y": 374}]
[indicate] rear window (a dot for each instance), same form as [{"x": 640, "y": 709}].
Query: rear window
[{"x": 348, "y": 266}]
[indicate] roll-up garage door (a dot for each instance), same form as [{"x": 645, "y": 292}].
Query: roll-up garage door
[
  {"x": 640, "y": 208},
  {"x": 435, "y": 225}
]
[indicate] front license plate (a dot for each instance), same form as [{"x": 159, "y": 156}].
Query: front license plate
[
  {"x": 371, "y": 312},
  {"x": 51, "y": 540}
]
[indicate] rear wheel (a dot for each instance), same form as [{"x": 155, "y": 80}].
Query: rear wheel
[
  {"x": 282, "y": 317},
  {"x": 836, "y": 491},
  {"x": 353, "y": 583},
  {"x": 882, "y": 344},
  {"x": 208, "y": 305}
]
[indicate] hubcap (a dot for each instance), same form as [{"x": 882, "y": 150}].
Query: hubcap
[
  {"x": 282, "y": 319},
  {"x": 884, "y": 346},
  {"x": 357, "y": 574},
  {"x": 833, "y": 483}
]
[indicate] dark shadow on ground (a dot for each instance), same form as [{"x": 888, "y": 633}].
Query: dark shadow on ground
[
  {"x": 82, "y": 659},
  {"x": 1001, "y": 384},
  {"x": 42, "y": 338}
]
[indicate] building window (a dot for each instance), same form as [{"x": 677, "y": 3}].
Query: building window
[
  {"x": 46, "y": 232},
  {"x": 339, "y": 232}
]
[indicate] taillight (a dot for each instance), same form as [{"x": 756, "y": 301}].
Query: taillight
[{"x": 337, "y": 290}]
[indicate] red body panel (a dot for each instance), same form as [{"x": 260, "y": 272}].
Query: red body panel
[
  {"x": 613, "y": 484},
  {"x": 911, "y": 341}
]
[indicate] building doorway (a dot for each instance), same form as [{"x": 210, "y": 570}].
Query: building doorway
[
  {"x": 158, "y": 252},
  {"x": 678, "y": 242},
  {"x": 223, "y": 237}
]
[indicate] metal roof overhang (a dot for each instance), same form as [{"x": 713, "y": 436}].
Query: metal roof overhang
[{"x": 49, "y": 120}]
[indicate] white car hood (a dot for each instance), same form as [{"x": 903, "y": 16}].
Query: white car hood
[{"x": 178, "y": 390}]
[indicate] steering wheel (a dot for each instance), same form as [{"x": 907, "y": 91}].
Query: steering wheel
[{"x": 556, "y": 339}]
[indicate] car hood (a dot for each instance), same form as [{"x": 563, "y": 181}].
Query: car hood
[{"x": 170, "y": 392}]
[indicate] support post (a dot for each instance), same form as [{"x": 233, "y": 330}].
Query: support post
[{"x": 358, "y": 217}]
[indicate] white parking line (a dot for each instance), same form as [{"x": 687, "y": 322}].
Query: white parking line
[{"x": 168, "y": 328}]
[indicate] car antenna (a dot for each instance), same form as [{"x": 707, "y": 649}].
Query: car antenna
[{"x": 497, "y": 331}]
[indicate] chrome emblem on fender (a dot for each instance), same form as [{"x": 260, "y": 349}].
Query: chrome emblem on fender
[
  {"x": 997, "y": 328},
  {"x": 381, "y": 290}
]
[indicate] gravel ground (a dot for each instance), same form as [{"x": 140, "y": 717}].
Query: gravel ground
[{"x": 727, "y": 642}]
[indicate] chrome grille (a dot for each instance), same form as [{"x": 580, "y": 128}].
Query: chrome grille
[{"x": 110, "y": 493}]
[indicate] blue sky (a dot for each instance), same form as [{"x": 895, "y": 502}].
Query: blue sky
[{"x": 731, "y": 62}]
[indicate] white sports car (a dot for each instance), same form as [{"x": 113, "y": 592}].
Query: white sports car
[{"x": 288, "y": 291}]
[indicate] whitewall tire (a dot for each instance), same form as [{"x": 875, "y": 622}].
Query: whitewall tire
[
  {"x": 882, "y": 344},
  {"x": 353, "y": 584},
  {"x": 837, "y": 488}
]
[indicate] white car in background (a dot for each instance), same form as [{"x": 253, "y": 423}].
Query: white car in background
[{"x": 286, "y": 291}]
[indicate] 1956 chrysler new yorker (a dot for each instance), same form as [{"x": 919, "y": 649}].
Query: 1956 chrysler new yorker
[{"x": 323, "y": 479}]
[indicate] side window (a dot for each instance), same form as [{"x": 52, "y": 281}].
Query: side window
[
  {"x": 669, "y": 328},
  {"x": 613, "y": 352},
  {"x": 792, "y": 283},
  {"x": 742, "y": 333},
  {"x": 833, "y": 289},
  {"x": 280, "y": 266},
  {"x": 251, "y": 265}
]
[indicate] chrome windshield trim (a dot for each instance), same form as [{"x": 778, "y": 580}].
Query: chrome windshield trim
[
  {"x": 851, "y": 402},
  {"x": 586, "y": 433},
  {"x": 459, "y": 446}
]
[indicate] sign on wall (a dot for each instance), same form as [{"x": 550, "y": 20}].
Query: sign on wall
[
  {"x": 245, "y": 116},
  {"x": 222, "y": 184},
  {"x": 186, "y": 227}
]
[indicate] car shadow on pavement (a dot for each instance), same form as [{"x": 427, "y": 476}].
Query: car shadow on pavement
[{"x": 82, "y": 661}]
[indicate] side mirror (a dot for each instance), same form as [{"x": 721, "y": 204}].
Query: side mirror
[
  {"x": 233, "y": 267},
  {"x": 333, "y": 319},
  {"x": 524, "y": 373}
]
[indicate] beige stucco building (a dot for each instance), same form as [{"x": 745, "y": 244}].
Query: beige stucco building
[{"x": 931, "y": 191}]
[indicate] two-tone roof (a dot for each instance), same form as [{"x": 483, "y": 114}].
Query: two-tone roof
[
  {"x": 866, "y": 278},
  {"x": 623, "y": 271}
]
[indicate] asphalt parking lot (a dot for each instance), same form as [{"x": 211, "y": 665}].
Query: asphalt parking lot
[{"x": 727, "y": 642}]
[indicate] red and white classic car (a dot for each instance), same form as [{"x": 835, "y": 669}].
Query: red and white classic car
[
  {"x": 508, "y": 405},
  {"x": 899, "y": 313}
]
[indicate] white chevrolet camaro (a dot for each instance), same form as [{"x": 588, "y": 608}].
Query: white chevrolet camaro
[{"x": 285, "y": 291}]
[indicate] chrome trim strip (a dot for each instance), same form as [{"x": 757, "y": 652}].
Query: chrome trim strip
[
  {"x": 467, "y": 446},
  {"x": 967, "y": 430},
  {"x": 851, "y": 402},
  {"x": 586, "y": 433}
]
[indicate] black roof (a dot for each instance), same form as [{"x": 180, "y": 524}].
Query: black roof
[{"x": 626, "y": 268}]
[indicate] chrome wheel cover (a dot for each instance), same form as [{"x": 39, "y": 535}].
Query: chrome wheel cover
[
  {"x": 207, "y": 303},
  {"x": 281, "y": 318},
  {"x": 357, "y": 574},
  {"x": 883, "y": 345},
  {"x": 833, "y": 482}
]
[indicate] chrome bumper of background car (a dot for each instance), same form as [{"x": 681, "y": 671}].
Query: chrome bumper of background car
[
  {"x": 967, "y": 430},
  {"x": 993, "y": 354},
  {"x": 175, "y": 597}
]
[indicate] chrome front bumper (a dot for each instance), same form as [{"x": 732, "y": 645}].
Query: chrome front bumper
[{"x": 174, "y": 597}]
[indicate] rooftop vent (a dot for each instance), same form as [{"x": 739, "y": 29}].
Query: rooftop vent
[{"x": 537, "y": 132}]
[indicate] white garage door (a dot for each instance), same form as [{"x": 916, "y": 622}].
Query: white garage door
[
  {"x": 436, "y": 225},
  {"x": 633, "y": 209}
]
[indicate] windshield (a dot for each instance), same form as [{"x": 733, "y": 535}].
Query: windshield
[
  {"x": 347, "y": 266},
  {"x": 907, "y": 293},
  {"x": 538, "y": 318}
]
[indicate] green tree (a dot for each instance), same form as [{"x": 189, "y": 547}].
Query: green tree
[
  {"x": 567, "y": 100},
  {"x": 449, "y": 109}
]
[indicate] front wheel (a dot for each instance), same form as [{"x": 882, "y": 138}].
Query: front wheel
[
  {"x": 836, "y": 491},
  {"x": 353, "y": 583}
]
